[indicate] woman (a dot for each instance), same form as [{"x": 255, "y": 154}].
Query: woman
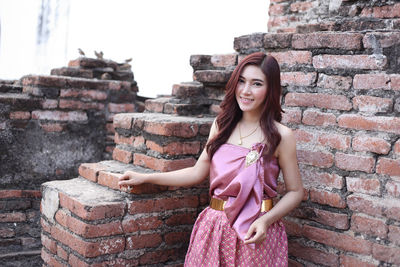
[{"x": 245, "y": 152}]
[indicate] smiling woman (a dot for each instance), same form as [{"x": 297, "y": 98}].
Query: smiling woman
[{"x": 154, "y": 33}]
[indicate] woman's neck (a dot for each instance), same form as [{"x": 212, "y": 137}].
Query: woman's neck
[{"x": 250, "y": 118}]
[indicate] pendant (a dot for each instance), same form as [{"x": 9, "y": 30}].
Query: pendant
[
  {"x": 240, "y": 142},
  {"x": 251, "y": 157}
]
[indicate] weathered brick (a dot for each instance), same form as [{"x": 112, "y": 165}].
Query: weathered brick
[
  {"x": 372, "y": 104},
  {"x": 277, "y": 9},
  {"x": 50, "y": 244},
  {"x": 396, "y": 148},
  {"x": 6, "y": 233},
  {"x": 52, "y": 127},
  {"x": 298, "y": 78},
  {"x": 175, "y": 148},
  {"x": 292, "y": 228},
  {"x": 386, "y": 253},
  {"x": 348, "y": 261},
  {"x": 386, "y": 11},
  {"x": 143, "y": 241},
  {"x": 50, "y": 260},
  {"x": 338, "y": 240},
  {"x": 162, "y": 164},
  {"x": 59, "y": 115},
  {"x": 328, "y": 101},
  {"x": 248, "y": 42},
  {"x": 314, "y": 179},
  {"x": 122, "y": 155},
  {"x": 123, "y": 121},
  {"x": 312, "y": 254},
  {"x": 76, "y": 104},
  {"x": 173, "y": 238},
  {"x": 75, "y": 261},
  {"x": 298, "y": 7},
  {"x": 156, "y": 105},
  {"x": 394, "y": 234},
  {"x": 224, "y": 61},
  {"x": 179, "y": 129},
  {"x": 277, "y": 40},
  {"x": 384, "y": 39},
  {"x": 372, "y": 81},
  {"x": 334, "y": 82},
  {"x": 120, "y": 139},
  {"x": 134, "y": 224},
  {"x": 161, "y": 204},
  {"x": 44, "y": 80},
  {"x": 87, "y": 63},
  {"x": 20, "y": 115},
  {"x": 315, "y": 117},
  {"x": 369, "y": 226},
  {"x": 212, "y": 76},
  {"x": 395, "y": 81},
  {"x": 337, "y": 141},
  {"x": 393, "y": 188},
  {"x": 354, "y": 162},
  {"x": 181, "y": 219},
  {"x": 13, "y": 193},
  {"x": 388, "y": 166},
  {"x": 109, "y": 179},
  {"x": 49, "y": 103},
  {"x": 90, "y": 171},
  {"x": 315, "y": 158},
  {"x": 327, "y": 198},
  {"x": 293, "y": 58},
  {"x": 349, "y": 62},
  {"x": 348, "y": 41},
  {"x": 110, "y": 128},
  {"x": 365, "y": 204},
  {"x": 12, "y": 217},
  {"x": 371, "y": 144},
  {"x": 363, "y": 185},
  {"x": 291, "y": 116},
  {"x": 373, "y": 123},
  {"x": 158, "y": 256},
  {"x": 119, "y": 108},
  {"x": 303, "y": 136},
  {"x": 94, "y": 211},
  {"x": 62, "y": 253},
  {"x": 84, "y": 94},
  {"x": 337, "y": 220}
]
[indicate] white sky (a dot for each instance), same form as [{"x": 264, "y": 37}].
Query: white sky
[{"x": 159, "y": 35}]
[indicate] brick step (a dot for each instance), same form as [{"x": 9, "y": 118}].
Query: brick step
[
  {"x": 171, "y": 105},
  {"x": 106, "y": 73},
  {"x": 214, "y": 62},
  {"x": 10, "y": 86},
  {"x": 188, "y": 90},
  {"x": 19, "y": 102},
  {"x": 49, "y": 85},
  {"x": 105, "y": 227}
]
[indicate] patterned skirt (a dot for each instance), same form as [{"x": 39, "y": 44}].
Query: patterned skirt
[{"x": 214, "y": 243}]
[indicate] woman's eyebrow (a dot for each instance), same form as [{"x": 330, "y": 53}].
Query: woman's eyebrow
[{"x": 256, "y": 80}]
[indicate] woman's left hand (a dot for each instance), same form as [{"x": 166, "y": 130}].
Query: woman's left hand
[{"x": 257, "y": 232}]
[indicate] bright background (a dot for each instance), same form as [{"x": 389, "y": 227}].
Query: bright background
[{"x": 158, "y": 35}]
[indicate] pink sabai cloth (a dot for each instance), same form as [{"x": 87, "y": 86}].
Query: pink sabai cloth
[{"x": 242, "y": 187}]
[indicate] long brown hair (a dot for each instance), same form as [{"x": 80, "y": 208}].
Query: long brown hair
[{"x": 231, "y": 114}]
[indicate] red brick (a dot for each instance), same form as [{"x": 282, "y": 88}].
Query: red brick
[
  {"x": 49, "y": 103},
  {"x": 396, "y": 148},
  {"x": 371, "y": 104},
  {"x": 212, "y": 76},
  {"x": 123, "y": 121},
  {"x": 291, "y": 116},
  {"x": 366, "y": 204},
  {"x": 156, "y": 205},
  {"x": 314, "y": 179},
  {"x": 45, "y": 225},
  {"x": 88, "y": 230},
  {"x": 226, "y": 60},
  {"x": 7, "y": 232},
  {"x": 13, "y": 193},
  {"x": 394, "y": 234},
  {"x": 20, "y": 115},
  {"x": 52, "y": 127},
  {"x": 181, "y": 219},
  {"x": 301, "y": 6},
  {"x": 134, "y": 224},
  {"x": 298, "y": 78},
  {"x": 12, "y": 217},
  {"x": 110, "y": 128},
  {"x": 122, "y": 155},
  {"x": 175, "y": 148},
  {"x": 156, "y": 105},
  {"x": 277, "y": 40},
  {"x": 94, "y": 211},
  {"x": 50, "y": 244},
  {"x": 395, "y": 81},
  {"x": 373, "y": 123},
  {"x": 31, "y": 193},
  {"x": 327, "y": 198},
  {"x": 371, "y": 81},
  {"x": 315, "y": 158},
  {"x": 88, "y": 249},
  {"x": 91, "y": 171},
  {"x": 369, "y": 226},
  {"x": 393, "y": 189},
  {"x": 337, "y": 220},
  {"x": 45, "y": 80},
  {"x": 62, "y": 253},
  {"x": 84, "y": 94},
  {"x": 174, "y": 238},
  {"x": 120, "y": 108},
  {"x": 338, "y": 240},
  {"x": 363, "y": 185},
  {"x": 303, "y": 136},
  {"x": 313, "y": 117},
  {"x": 387, "y": 11},
  {"x": 371, "y": 144},
  {"x": 293, "y": 263},
  {"x": 348, "y": 261},
  {"x": 354, "y": 162},
  {"x": 312, "y": 254},
  {"x": 334, "y": 82},
  {"x": 384, "y": 39},
  {"x": 386, "y": 253},
  {"x": 277, "y": 9},
  {"x": 50, "y": 260},
  {"x": 74, "y": 261},
  {"x": 59, "y": 115},
  {"x": 143, "y": 241},
  {"x": 109, "y": 179},
  {"x": 178, "y": 129},
  {"x": 337, "y": 141},
  {"x": 158, "y": 256},
  {"x": 366, "y": 62},
  {"x": 119, "y": 139},
  {"x": 388, "y": 166},
  {"x": 327, "y": 101},
  {"x": 76, "y": 104},
  {"x": 293, "y": 228},
  {"x": 293, "y": 58},
  {"x": 162, "y": 164},
  {"x": 349, "y": 41}
]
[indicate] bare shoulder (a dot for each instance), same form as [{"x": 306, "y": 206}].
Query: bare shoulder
[
  {"x": 284, "y": 131},
  {"x": 288, "y": 141}
]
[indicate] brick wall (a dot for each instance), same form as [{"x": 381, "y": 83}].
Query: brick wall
[{"x": 48, "y": 125}]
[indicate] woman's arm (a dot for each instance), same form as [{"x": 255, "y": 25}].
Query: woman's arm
[
  {"x": 184, "y": 177},
  {"x": 294, "y": 187}
]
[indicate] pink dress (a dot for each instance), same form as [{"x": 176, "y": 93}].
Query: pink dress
[{"x": 243, "y": 179}]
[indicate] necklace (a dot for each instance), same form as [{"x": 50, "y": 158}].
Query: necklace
[{"x": 240, "y": 134}]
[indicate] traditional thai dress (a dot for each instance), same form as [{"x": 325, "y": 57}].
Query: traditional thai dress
[{"x": 243, "y": 177}]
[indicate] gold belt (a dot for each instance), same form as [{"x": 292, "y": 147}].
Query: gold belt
[{"x": 219, "y": 204}]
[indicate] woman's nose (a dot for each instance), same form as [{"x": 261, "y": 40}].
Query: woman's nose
[{"x": 246, "y": 88}]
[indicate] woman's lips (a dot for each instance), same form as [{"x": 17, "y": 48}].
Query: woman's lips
[{"x": 246, "y": 100}]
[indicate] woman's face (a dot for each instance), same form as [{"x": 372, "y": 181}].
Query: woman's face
[{"x": 251, "y": 89}]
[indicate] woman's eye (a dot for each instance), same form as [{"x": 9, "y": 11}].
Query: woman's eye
[
  {"x": 258, "y": 84},
  {"x": 241, "y": 80}
]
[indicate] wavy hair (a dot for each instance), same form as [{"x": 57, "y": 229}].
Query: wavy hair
[{"x": 231, "y": 113}]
